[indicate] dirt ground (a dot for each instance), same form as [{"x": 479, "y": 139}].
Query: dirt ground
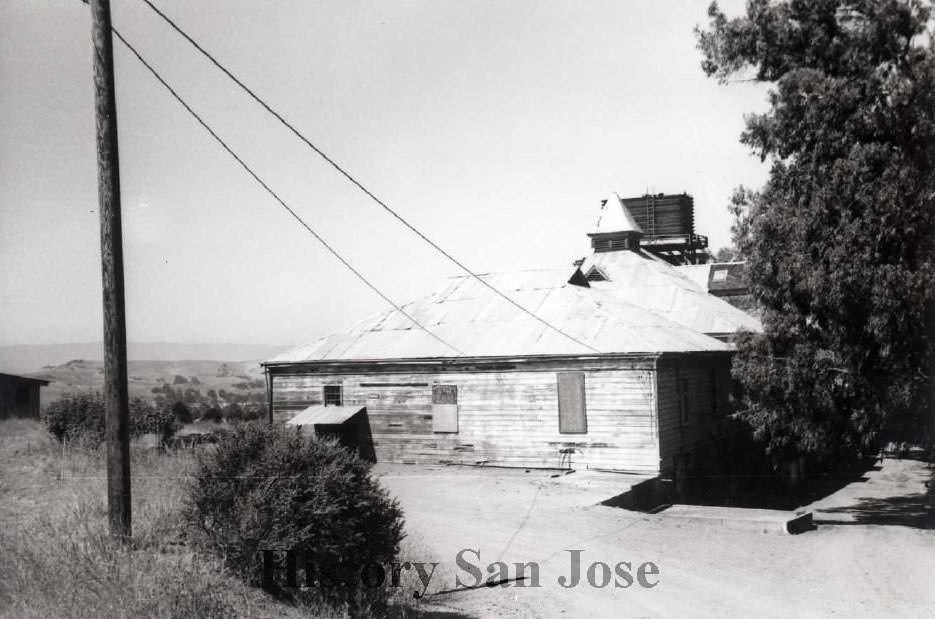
[{"x": 854, "y": 567}]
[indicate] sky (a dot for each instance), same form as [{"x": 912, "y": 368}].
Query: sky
[{"x": 495, "y": 127}]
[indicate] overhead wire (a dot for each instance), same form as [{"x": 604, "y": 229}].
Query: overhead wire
[
  {"x": 276, "y": 196},
  {"x": 347, "y": 175}
]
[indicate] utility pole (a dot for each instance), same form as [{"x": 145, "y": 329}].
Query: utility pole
[{"x": 116, "y": 400}]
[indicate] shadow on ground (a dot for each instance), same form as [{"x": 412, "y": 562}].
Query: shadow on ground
[
  {"x": 913, "y": 510},
  {"x": 861, "y": 492}
]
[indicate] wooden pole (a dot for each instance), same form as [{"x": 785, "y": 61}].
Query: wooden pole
[{"x": 115, "y": 331}]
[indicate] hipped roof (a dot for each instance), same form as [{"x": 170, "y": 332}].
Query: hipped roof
[
  {"x": 479, "y": 323},
  {"x": 664, "y": 289}
]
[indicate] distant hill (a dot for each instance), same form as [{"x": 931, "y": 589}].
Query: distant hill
[
  {"x": 28, "y": 358},
  {"x": 234, "y": 377}
]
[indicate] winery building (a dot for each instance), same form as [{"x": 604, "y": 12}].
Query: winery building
[{"x": 621, "y": 373}]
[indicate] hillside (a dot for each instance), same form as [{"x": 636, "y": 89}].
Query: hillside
[
  {"x": 32, "y": 358},
  {"x": 244, "y": 378}
]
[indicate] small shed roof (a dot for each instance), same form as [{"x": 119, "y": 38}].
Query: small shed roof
[
  {"x": 23, "y": 379},
  {"x": 479, "y": 323},
  {"x": 662, "y": 288},
  {"x": 324, "y": 415}
]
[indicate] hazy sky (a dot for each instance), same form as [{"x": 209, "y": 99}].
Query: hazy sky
[{"x": 497, "y": 127}]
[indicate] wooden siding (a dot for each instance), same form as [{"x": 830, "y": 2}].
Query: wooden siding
[
  {"x": 704, "y": 388},
  {"x": 18, "y": 399},
  {"x": 505, "y": 417}
]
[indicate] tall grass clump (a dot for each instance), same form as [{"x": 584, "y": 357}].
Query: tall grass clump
[{"x": 266, "y": 487}]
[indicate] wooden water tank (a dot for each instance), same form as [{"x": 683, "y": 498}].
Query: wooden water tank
[{"x": 661, "y": 215}]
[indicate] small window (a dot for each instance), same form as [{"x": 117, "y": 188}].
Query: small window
[
  {"x": 445, "y": 408},
  {"x": 572, "y": 413},
  {"x": 719, "y": 276},
  {"x": 333, "y": 395}
]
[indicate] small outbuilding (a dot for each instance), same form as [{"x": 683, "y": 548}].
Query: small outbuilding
[{"x": 19, "y": 395}]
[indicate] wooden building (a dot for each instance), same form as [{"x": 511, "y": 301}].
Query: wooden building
[
  {"x": 638, "y": 380},
  {"x": 19, "y": 396},
  {"x": 635, "y": 392}
]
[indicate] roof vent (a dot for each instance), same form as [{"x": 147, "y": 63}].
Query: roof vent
[{"x": 596, "y": 275}]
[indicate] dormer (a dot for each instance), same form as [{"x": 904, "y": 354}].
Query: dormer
[{"x": 616, "y": 229}]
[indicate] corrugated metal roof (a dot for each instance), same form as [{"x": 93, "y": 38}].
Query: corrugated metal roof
[
  {"x": 324, "y": 415},
  {"x": 480, "y": 323},
  {"x": 663, "y": 288},
  {"x": 698, "y": 273}
]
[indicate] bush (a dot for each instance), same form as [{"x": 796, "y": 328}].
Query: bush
[
  {"x": 182, "y": 412},
  {"x": 148, "y": 419},
  {"x": 268, "y": 487},
  {"x": 76, "y": 418},
  {"x": 79, "y": 418},
  {"x": 213, "y": 413}
]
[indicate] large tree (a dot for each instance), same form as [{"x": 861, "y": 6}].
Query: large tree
[{"x": 840, "y": 238}]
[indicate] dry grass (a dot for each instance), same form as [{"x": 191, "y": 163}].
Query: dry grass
[{"x": 57, "y": 559}]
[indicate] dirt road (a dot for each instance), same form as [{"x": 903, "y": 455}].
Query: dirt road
[{"x": 839, "y": 570}]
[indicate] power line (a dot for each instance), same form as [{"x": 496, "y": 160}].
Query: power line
[
  {"x": 270, "y": 191},
  {"x": 353, "y": 180}
]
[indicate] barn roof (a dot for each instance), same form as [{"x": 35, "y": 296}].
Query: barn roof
[
  {"x": 667, "y": 290},
  {"x": 479, "y": 323}
]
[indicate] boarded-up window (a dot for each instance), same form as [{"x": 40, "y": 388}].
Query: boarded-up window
[
  {"x": 444, "y": 408},
  {"x": 572, "y": 413},
  {"x": 332, "y": 395}
]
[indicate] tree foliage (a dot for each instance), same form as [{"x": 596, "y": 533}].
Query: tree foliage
[
  {"x": 80, "y": 419},
  {"x": 839, "y": 240}
]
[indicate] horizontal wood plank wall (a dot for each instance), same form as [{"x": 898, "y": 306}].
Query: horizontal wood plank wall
[
  {"x": 707, "y": 384},
  {"x": 504, "y": 418}
]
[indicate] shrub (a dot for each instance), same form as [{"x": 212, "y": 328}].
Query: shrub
[
  {"x": 233, "y": 412},
  {"x": 79, "y": 418},
  {"x": 76, "y": 417},
  {"x": 182, "y": 412},
  {"x": 148, "y": 419},
  {"x": 268, "y": 487},
  {"x": 213, "y": 413}
]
